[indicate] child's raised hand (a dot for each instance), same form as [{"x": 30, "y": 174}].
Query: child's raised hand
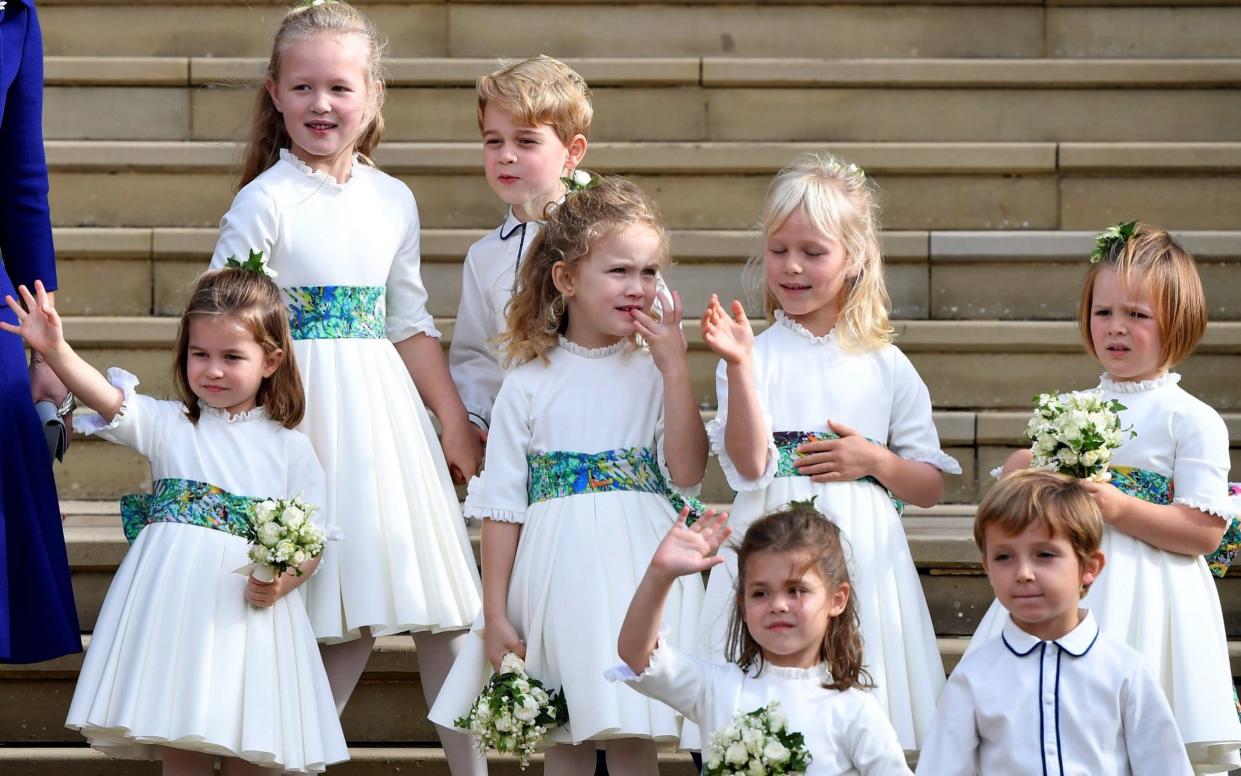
[
  {"x": 851, "y": 457},
  {"x": 663, "y": 336},
  {"x": 38, "y": 322},
  {"x": 730, "y": 336},
  {"x": 691, "y": 549}
]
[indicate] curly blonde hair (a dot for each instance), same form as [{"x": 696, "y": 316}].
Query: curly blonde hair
[
  {"x": 841, "y": 201},
  {"x": 536, "y": 314},
  {"x": 267, "y": 134}
]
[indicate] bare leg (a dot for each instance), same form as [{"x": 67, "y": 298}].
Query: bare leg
[
  {"x": 235, "y": 766},
  {"x": 436, "y": 653},
  {"x": 570, "y": 760},
  {"x": 183, "y": 762},
  {"x": 634, "y": 756},
  {"x": 344, "y": 664}
]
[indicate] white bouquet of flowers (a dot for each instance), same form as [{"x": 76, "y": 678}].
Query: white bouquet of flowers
[
  {"x": 757, "y": 743},
  {"x": 282, "y": 537},
  {"x": 514, "y": 712},
  {"x": 1076, "y": 433}
]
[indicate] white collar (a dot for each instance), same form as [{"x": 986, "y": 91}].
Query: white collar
[
  {"x": 1139, "y": 386},
  {"x": 1076, "y": 642}
]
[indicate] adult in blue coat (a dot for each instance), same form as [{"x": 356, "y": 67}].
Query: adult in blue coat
[{"x": 38, "y": 620}]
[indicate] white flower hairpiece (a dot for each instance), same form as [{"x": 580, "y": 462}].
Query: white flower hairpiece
[{"x": 580, "y": 180}]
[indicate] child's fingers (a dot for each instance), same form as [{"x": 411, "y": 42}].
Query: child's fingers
[
  {"x": 41, "y": 295},
  {"x": 739, "y": 312},
  {"x": 682, "y": 516},
  {"x": 27, "y": 298},
  {"x": 17, "y": 309}
]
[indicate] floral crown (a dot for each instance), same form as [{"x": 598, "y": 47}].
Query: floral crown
[
  {"x": 1107, "y": 240},
  {"x": 254, "y": 263},
  {"x": 580, "y": 180}
]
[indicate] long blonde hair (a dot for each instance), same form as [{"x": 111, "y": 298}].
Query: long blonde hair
[
  {"x": 536, "y": 314},
  {"x": 267, "y": 134},
  {"x": 840, "y": 201}
]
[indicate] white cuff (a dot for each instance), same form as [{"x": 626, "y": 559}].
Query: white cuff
[
  {"x": 937, "y": 458},
  {"x": 1227, "y": 509},
  {"x": 400, "y": 329},
  {"x": 715, "y": 435},
  {"x": 93, "y": 424}
]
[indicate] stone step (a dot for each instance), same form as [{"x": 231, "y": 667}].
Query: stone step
[
  {"x": 940, "y": 540},
  {"x": 936, "y": 186},
  {"x": 865, "y": 28},
  {"x": 680, "y": 99},
  {"x": 941, "y": 275},
  {"x": 967, "y": 365},
  {"x": 425, "y": 760}
]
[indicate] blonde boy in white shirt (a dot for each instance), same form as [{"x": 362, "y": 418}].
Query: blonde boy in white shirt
[
  {"x": 534, "y": 116},
  {"x": 1052, "y": 696}
]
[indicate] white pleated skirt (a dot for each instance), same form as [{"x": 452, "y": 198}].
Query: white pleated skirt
[
  {"x": 578, "y": 564},
  {"x": 1166, "y": 607},
  {"x": 899, "y": 648},
  {"x": 178, "y": 658},
  {"x": 404, "y": 561}
]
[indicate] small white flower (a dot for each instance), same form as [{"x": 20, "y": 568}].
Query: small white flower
[
  {"x": 292, "y": 517},
  {"x": 269, "y": 534},
  {"x": 525, "y": 713},
  {"x": 265, "y": 511},
  {"x": 511, "y": 664},
  {"x": 736, "y": 754},
  {"x": 581, "y": 178},
  {"x": 775, "y": 752}
]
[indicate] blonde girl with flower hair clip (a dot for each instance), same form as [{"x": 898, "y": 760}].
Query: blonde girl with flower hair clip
[
  {"x": 1142, "y": 311},
  {"x": 344, "y": 238},
  {"x": 595, "y": 435},
  {"x": 190, "y": 659},
  {"x": 822, "y": 405},
  {"x": 794, "y": 638}
]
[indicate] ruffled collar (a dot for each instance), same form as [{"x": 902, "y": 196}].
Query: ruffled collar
[
  {"x": 257, "y": 413},
  {"x": 783, "y": 319},
  {"x": 1137, "y": 386},
  {"x": 584, "y": 352},
  {"x": 817, "y": 673},
  {"x": 288, "y": 156}
]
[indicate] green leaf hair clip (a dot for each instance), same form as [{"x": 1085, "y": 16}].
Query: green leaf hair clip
[
  {"x": 580, "y": 180},
  {"x": 1118, "y": 234},
  {"x": 807, "y": 503},
  {"x": 255, "y": 263}
]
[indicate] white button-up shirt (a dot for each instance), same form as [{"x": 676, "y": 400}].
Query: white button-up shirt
[
  {"x": 1082, "y": 705},
  {"x": 488, "y": 280}
]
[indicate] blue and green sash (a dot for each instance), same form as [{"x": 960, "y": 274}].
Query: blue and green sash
[
  {"x": 336, "y": 312},
  {"x": 188, "y": 502},
  {"x": 1157, "y": 489},
  {"x": 560, "y": 473},
  {"x": 787, "y": 443}
]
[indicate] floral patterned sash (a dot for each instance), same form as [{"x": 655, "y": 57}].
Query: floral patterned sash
[
  {"x": 1157, "y": 489},
  {"x": 787, "y": 443},
  {"x": 559, "y": 473},
  {"x": 336, "y": 312},
  {"x": 189, "y": 502}
]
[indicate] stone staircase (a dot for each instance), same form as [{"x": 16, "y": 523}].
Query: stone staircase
[{"x": 1001, "y": 137}]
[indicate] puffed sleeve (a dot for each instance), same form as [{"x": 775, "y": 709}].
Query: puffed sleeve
[
  {"x": 1200, "y": 466},
  {"x": 499, "y": 493},
  {"x": 671, "y": 677},
  {"x": 715, "y": 435},
  {"x": 307, "y": 480},
  {"x": 1152, "y": 741},
  {"x": 472, "y": 359},
  {"x": 407, "y": 297},
  {"x": 251, "y": 224},
  {"x": 951, "y": 747},
  {"x": 139, "y": 423},
  {"x": 873, "y": 745},
  {"x": 25, "y": 224},
  {"x": 911, "y": 433}
]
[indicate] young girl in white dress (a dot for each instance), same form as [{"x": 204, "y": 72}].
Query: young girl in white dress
[
  {"x": 188, "y": 659},
  {"x": 1142, "y": 311},
  {"x": 343, "y": 237},
  {"x": 794, "y": 638},
  {"x": 821, "y": 404},
  {"x": 588, "y": 437}
]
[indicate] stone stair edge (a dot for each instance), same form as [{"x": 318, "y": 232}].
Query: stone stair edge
[
  {"x": 707, "y": 157},
  {"x": 911, "y": 335},
  {"x": 1041, "y": 73},
  {"x": 450, "y": 245}
]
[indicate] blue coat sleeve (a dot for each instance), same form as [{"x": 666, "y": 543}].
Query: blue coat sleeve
[{"x": 25, "y": 223}]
